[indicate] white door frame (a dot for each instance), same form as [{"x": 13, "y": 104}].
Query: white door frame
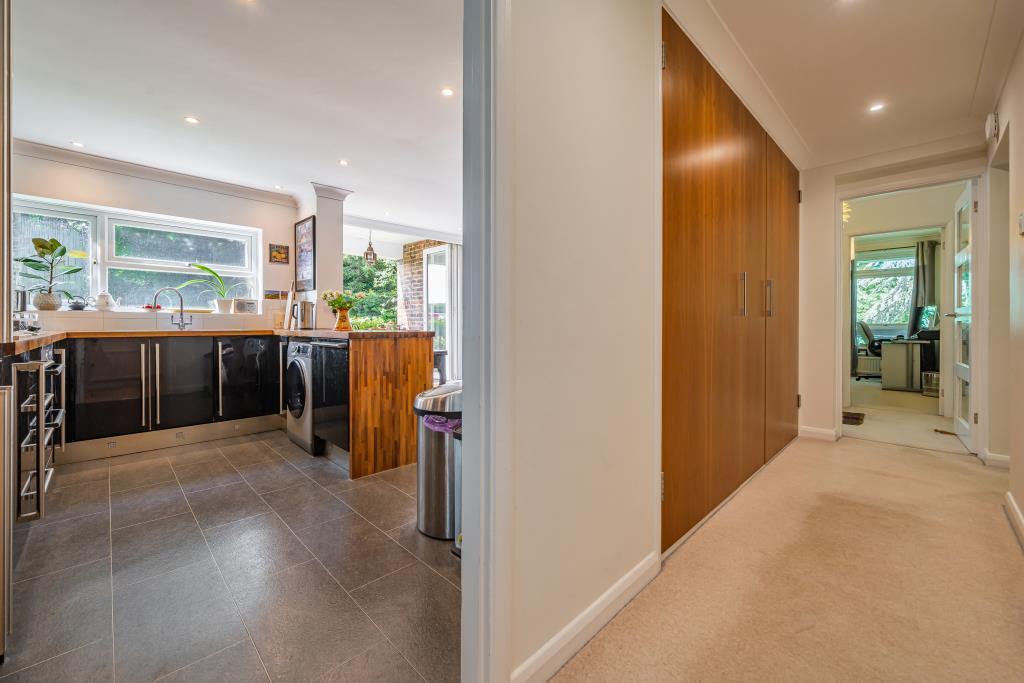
[
  {"x": 964, "y": 428},
  {"x": 924, "y": 178}
]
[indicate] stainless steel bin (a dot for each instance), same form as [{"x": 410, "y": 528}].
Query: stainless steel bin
[{"x": 440, "y": 413}]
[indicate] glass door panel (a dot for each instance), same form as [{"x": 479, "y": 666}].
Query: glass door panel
[{"x": 963, "y": 412}]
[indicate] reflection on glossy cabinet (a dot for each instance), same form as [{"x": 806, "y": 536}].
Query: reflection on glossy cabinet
[{"x": 106, "y": 386}]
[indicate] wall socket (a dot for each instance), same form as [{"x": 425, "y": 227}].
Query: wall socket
[{"x": 111, "y": 445}]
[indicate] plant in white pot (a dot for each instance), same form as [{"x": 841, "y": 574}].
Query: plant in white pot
[
  {"x": 214, "y": 285},
  {"x": 48, "y": 265}
]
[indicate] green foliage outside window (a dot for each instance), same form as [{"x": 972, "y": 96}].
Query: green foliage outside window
[{"x": 379, "y": 282}]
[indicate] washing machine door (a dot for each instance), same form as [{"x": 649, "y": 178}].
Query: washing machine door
[{"x": 295, "y": 388}]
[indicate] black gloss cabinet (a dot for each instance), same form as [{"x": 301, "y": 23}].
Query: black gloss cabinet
[
  {"x": 119, "y": 386},
  {"x": 106, "y": 387}
]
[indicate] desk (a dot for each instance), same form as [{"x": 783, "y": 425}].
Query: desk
[{"x": 901, "y": 364}]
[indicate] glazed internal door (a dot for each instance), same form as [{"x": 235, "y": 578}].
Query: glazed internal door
[
  {"x": 962, "y": 233},
  {"x": 782, "y": 293}
]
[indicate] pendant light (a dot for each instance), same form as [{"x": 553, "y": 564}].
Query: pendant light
[{"x": 370, "y": 256}]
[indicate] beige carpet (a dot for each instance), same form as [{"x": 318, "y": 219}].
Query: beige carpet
[
  {"x": 869, "y": 392},
  {"x": 906, "y": 428},
  {"x": 847, "y": 561}
]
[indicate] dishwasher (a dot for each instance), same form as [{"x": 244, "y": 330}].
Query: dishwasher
[{"x": 331, "y": 391}]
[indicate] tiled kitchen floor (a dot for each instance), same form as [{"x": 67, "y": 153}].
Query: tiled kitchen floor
[{"x": 232, "y": 560}]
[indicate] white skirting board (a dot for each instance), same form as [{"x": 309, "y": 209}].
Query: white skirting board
[
  {"x": 997, "y": 460},
  {"x": 545, "y": 662},
  {"x": 1016, "y": 517},
  {"x": 819, "y": 433}
]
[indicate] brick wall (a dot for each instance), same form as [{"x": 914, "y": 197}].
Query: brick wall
[{"x": 410, "y": 284}]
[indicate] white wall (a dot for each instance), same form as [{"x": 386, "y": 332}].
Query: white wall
[
  {"x": 580, "y": 360},
  {"x": 52, "y": 173},
  {"x": 1011, "y": 117}
]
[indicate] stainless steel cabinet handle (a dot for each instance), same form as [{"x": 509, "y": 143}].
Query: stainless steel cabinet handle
[
  {"x": 280, "y": 369},
  {"x": 743, "y": 284},
  {"x": 156, "y": 373},
  {"x": 770, "y": 290},
  {"x": 220, "y": 379},
  {"x": 142, "y": 367}
]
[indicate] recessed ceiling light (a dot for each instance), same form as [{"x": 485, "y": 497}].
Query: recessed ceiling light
[
  {"x": 277, "y": 187},
  {"x": 447, "y": 92},
  {"x": 191, "y": 119},
  {"x": 343, "y": 162},
  {"x": 387, "y": 213},
  {"x": 76, "y": 143},
  {"x": 877, "y": 106}
]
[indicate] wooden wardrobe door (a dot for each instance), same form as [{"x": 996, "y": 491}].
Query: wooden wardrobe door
[
  {"x": 737, "y": 211},
  {"x": 783, "y": 266},
  {"x": 686, "y": 287}
]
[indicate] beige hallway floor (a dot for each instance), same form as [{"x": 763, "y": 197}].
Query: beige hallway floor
[
  {"x": 846, "y": 561},
  {"x": 905, "y": 428}
]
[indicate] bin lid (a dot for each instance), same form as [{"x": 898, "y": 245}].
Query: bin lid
[{"x": 445, "y": 400}]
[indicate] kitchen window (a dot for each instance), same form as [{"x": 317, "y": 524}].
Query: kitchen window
[{"x": 133, "y": 255}]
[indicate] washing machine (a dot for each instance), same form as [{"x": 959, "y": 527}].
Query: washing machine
[{"x": 298, "y": 394}]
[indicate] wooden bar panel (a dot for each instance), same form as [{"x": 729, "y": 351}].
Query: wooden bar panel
[{"x": 384, "y": 377}]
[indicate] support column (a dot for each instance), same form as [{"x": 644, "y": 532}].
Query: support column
[{"x": 330, "y": 228}]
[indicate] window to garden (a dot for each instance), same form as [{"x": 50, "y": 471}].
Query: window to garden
[
  {"x": 133, "y": 256},
  {"x": 883, "y": 286}
]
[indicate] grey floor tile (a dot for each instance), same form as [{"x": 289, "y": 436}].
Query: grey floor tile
[
  {"x": 80, "y": 472},
  {"x": 172, "y": 620},
  {"x": 294, "y": 454},
  {"x": 239, "y": 663},
  {"x": 144, "y": 550},
  {"x": 58, "y": 613},
  {"x": 79, "y": 500},
  {"x": 436, "y": 554},
  {"x": 382, "y": 504},
  {"x": 402, "y": 478},
  {"x": 87, "y": 664},
  {"x": 419, "y": 611},
  {"x": 332, "y": 477},
  {"x": 303, "y": 623},
  {"x": 354, "y": 551},
  {"x": 305, "y": 505},
  {"x": 274, "y": 438},
  {"x": 52, "y": 547},
  {"x": 190, "y": 453},
  {"x": 271, "y": 475},
  {"x": 248, "y": 453},
  {"x": 135, "y": 474},
  {"x": 381, "y": 662},
  {"x": 224, "y": 504},
  {"x": 206, "y": 474},
  {"x": 251, "y": 548},
  {"x": 146, "y": 503}
]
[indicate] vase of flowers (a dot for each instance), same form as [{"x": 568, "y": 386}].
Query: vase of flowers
[
  {"x": 49, "y": 267},
  {"x": 341, "y": 303}
]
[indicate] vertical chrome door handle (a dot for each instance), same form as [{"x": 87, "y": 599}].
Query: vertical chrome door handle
[
  {"x": 142, "y": 367},
  {"x": 770, "y": 290},
  {"x": 280, "y": 370},
  {"x": 220, "y": 379},
  {"x": 743, "y": 284},
  {"x": 156, "y": 374}
]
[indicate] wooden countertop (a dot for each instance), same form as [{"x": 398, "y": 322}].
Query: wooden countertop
[
  {"x": 24, "y": 343},
  {"x": 355, "y": 334}
]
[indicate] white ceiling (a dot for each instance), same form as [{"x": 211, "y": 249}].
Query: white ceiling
[
  {"x": 939, "y": 65},
  {"x": 283, "y": 89},
  {"x": 905, "y": 210}
]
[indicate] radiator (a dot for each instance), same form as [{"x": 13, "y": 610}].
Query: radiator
[{"x": 869, "y": 365}]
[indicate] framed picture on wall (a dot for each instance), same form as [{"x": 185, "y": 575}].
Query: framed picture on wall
[
  {"x": 305, "y": 255},
  {"x": 279, "y": 253}
]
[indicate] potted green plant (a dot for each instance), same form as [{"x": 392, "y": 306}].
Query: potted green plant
[
  {"x": 214, "y": 285},
  {"x": 48, "y": 266},
  {"x": 341, "y": 303}
]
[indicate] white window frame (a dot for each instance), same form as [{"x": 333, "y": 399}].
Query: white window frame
[
  {"x": 104, "y": 219},
  {"x": 447, "y": 284}
]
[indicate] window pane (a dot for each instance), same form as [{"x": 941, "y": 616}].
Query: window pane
[
  {"x": 75, "y": 234},
  {"x": 885, "y": 263},
  {"x": 132, "y": 241},
  {"x": 437, "y": 297},
  {"x": 884, "y": 300},
  {"x": 137, "y": 287}
]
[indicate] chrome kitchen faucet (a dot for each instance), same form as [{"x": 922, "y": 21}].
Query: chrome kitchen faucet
[{"x": 182, "y": 323}]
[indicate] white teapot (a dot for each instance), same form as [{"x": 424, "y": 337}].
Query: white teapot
[{"x": 106, "y": 302}]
